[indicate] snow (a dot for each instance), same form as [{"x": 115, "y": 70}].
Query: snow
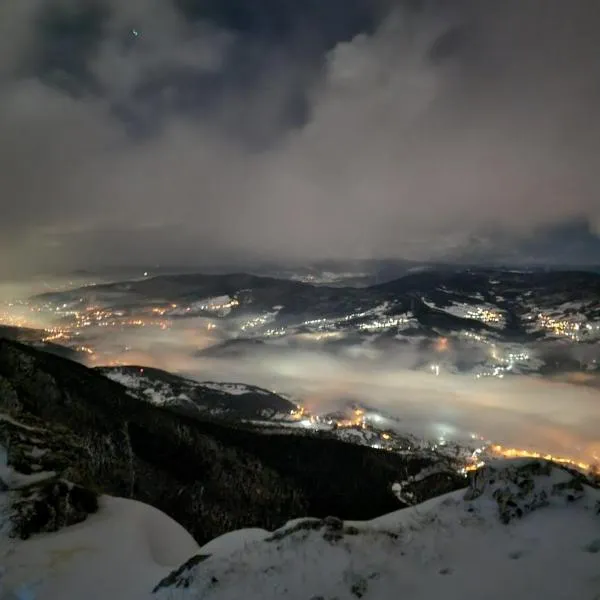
[
  {"x": 14, "y": 480},
  {"x": 447, "y": 548},
  {"x": 160, "y": 393},
  {"x": 154, "y": 392},
  {"x": 130, "y": 381},
  {"x": 234, "y": 541},
  {"x": 452, "y": 547},
  {"x": 37, "y": 452},
  {"x": 483, "y": 312},
  {"x": 235, "y": 389},
  {"x": 155, "y": 396},
  {"x": 120, "y": 553}
]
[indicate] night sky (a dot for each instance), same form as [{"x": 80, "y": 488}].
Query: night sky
[{"x": 194, "y": 132}]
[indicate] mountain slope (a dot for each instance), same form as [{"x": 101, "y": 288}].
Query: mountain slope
[
  {"x": 210, "y": 477},
  {"x": 68, "y": 435},
  {"x": 223, "y": 400},
  {"x": 525, "y": 529}
]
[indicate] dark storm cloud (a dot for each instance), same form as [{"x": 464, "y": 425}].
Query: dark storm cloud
[{"x": 197, "y": 136}]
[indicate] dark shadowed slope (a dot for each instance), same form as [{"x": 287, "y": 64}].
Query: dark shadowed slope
[{"x": 210, "y": 477}]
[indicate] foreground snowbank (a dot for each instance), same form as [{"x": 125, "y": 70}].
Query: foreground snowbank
[
  {"x": 117, "y": 554},
  {"x": 525, "y": 529}
]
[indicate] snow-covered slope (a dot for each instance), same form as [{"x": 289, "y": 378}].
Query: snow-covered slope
[
  {"x": 523, "y": 530},
  {"x": 207, "y": 398},
  {"x": 59, "y": 541},
  {"x": 118, "y": 553},
  {"x": 104, "y": 548}
]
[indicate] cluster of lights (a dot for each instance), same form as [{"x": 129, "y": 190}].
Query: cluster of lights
[
  {"x": 316, "y": 322},
  {"x": 73, "y": 322},
  {"x": 85, "y": 349},
  {"x": 485, "y": 314},
  {"x": 477, "y": 459},
  {"x": 498, "y": 372},
  {"x": 506, "y": 363},
  {"x": 567, "y": 328},
  {"x": 491, "y": 317},
  {"x": 73, "y": 318},
  {"x": 19, "y": 314},
  {"x": 255, "y": 322},
  {"x": 474, "y": 336},
  {"x": 358, "y": 419},
  {"x": 14, "y": 321},
  {"x": 278, "y": 332},
  {"x": 383, "y": 324},
  {"x": 55, "y": 337},
  {"x": 325, "y": 323},
  {"x": 472, "y": 462},
  {"x": 520, "y": 453},
  {"x": 219, "y": 306}
]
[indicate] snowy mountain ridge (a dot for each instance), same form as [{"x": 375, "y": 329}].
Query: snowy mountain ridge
[
  {"x": 526, "y": 528},
  {"x": 207, "y": 398}
]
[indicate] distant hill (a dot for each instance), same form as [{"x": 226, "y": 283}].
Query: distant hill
[
  {"x": 474, "y": 308},
  {"x": 209, "y": 399}
]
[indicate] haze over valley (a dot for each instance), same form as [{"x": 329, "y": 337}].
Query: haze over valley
[{"x": 452, "y": 355}]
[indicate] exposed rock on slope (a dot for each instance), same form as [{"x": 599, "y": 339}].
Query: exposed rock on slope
[
  {"x": 210, "y": 477},
  {"x": 34, "y": 462}
]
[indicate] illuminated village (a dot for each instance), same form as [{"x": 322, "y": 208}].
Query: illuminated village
[
  {"x": 467, "y": 458},
  {"x": 77, "y": 325}
]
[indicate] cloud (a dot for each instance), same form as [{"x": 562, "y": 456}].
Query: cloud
[
  {"x": 149, "y": 37},
  {"x": 437, "y": 126},
  {"x": 522, "y": 412}
]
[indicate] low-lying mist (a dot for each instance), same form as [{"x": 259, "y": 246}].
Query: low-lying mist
[{"x": 557, "y": 416}]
